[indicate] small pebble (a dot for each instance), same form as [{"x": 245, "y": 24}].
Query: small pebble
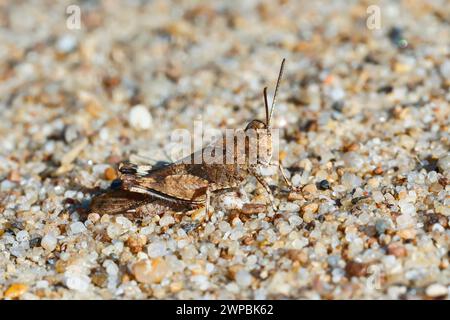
[
  {"x": 378, "y": 171},
  {"x": 436, "y": 290},
  {"x": 166, "y": 220},
  {"x": 243, "y": 278},
  {"x": 110, "y": 174},
  {"x": 77, "y": 227},
  {"x": 14, "y": 176},
  {"x": 355, "y": 269},
  {"x": 66, "y": 43},
  {"x": 444, "y": 164},
  {"x": 150, "y": 271},
  {"x": 351, "y": 181},
  {"x": 378, "y": 197},
  {"x": 78, "y": 282},
  {"x": 6, "y": 185},
  {"x": 310, "y": 188},
  {"x": 324, "y": 185},
  {"x": 397, "y": 250},
  {"x": 136, "y": 243},
  {"x": 48, "y": 242},
  {"x": 140, "y": 118},
  {"x": 156, "y": 249},
  {"x": 310, "y": 208},
  {"x": 15, "y": 290},
  {"x": 114, "y": 230},
  {"x": 22, "y": 236},
  {"x": 381, "y": 226},
  {"x": 407, "y": 234}
]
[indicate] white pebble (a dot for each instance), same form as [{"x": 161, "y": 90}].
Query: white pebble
[
  {"x": 444, "y": 163},
  {"x": 299, "y": 243},
  {"x": 231, "y": 202},
  {"x": 104, "y": 134},
  {"x": 99, "y": 169},
  {"x": 77, "y": 227},
  {"x": 405, "y": 221},
  {"x": 114, "y": 230},
  {"x": 201, "y": 281},
  {"x": 124, "y": 222},
  {"x": 78, "y": 282},
  {"x": 236, "y": 234},
  {"x": 268, "y": 171},
  {"x": 49, "y": 242},
  {"x": 6, "y": 185},
  {"x": 156, "y": 249},
  {"x": 284, "y": 227},
  {"x": 337, "y": 94},
  {"x": 66, "y": 44},
  {"x": 42, "y": 284},
  {"x": 166, "y": 220},
  {"x": 355, "y": 247},
  {"x": 445, "y": 69},
  {"x": 243, "y": 278},
  {"x": 140, "y": 118},
  {"x": 436, "y": 290},
  {"x": 70, "y": 194},
  {"x": 407, "y": 208},
  {"x": 350, "y": 181},
  {"x": 296, "y": 180},
  {"x": 353, "y": 160},
  {"x": 22, "y": 236},
  {"x": 59, "y": 190},
  {"x": 437, "y": 228},
  {"x": 224, "y": 226},
  {"x": 289, "y": 207},
  {"x": 295, "y": 220},
  {"x": 111, "y": 268},
  {"x": 147, "y": 230},
  {"x": 378, "y": 197}
]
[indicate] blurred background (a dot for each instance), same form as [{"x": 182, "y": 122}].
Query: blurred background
[
  {"x": 81, "y": 66},
  {"x": 364, "y": 106}
]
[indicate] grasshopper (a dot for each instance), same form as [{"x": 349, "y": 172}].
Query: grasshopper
[{"x": 190, "y": 184}]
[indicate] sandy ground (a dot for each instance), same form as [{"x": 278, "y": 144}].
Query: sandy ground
[{"x": 364, "y": 115}]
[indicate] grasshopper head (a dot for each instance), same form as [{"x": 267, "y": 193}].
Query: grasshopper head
[
  {"x": 262, "y": 129},
  {"x": 258, "y": 134},
  {"x": 262, "y": 140}
]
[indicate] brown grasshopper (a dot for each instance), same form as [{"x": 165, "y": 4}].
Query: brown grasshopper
[{"x": 190, "y": 184}]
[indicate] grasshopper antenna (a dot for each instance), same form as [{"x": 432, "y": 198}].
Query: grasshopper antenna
[
  {"x": 280, "y": 75},
  {"x": 266, "y": 105}
]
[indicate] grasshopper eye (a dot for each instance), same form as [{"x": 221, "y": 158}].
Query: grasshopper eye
[{"x": 255, "y": 125}]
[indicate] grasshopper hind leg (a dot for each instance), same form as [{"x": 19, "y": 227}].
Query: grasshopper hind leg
[{"x": 207, "y": 200}]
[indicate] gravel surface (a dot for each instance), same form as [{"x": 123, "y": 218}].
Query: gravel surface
[{"x": 364, "y": 115}]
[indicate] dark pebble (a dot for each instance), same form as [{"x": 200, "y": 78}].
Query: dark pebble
[
  {"x": 310, "y": 226},
  {"x": 396, "y": 36},
  {"x": 338, "y": 106},
  {"x": 385, "y": 89},
  {"x": 324, "y": 185},
  {"x": 35, "y": 242}
]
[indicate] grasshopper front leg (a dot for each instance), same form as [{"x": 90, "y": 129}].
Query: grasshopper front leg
[
  {"x": 207, "y": 201},
  {"x": 265, "y": 185},
  {"x": 286, "y": 180}
]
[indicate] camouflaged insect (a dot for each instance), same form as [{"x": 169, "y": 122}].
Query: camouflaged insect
[{"x": 186, "y": 183}]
